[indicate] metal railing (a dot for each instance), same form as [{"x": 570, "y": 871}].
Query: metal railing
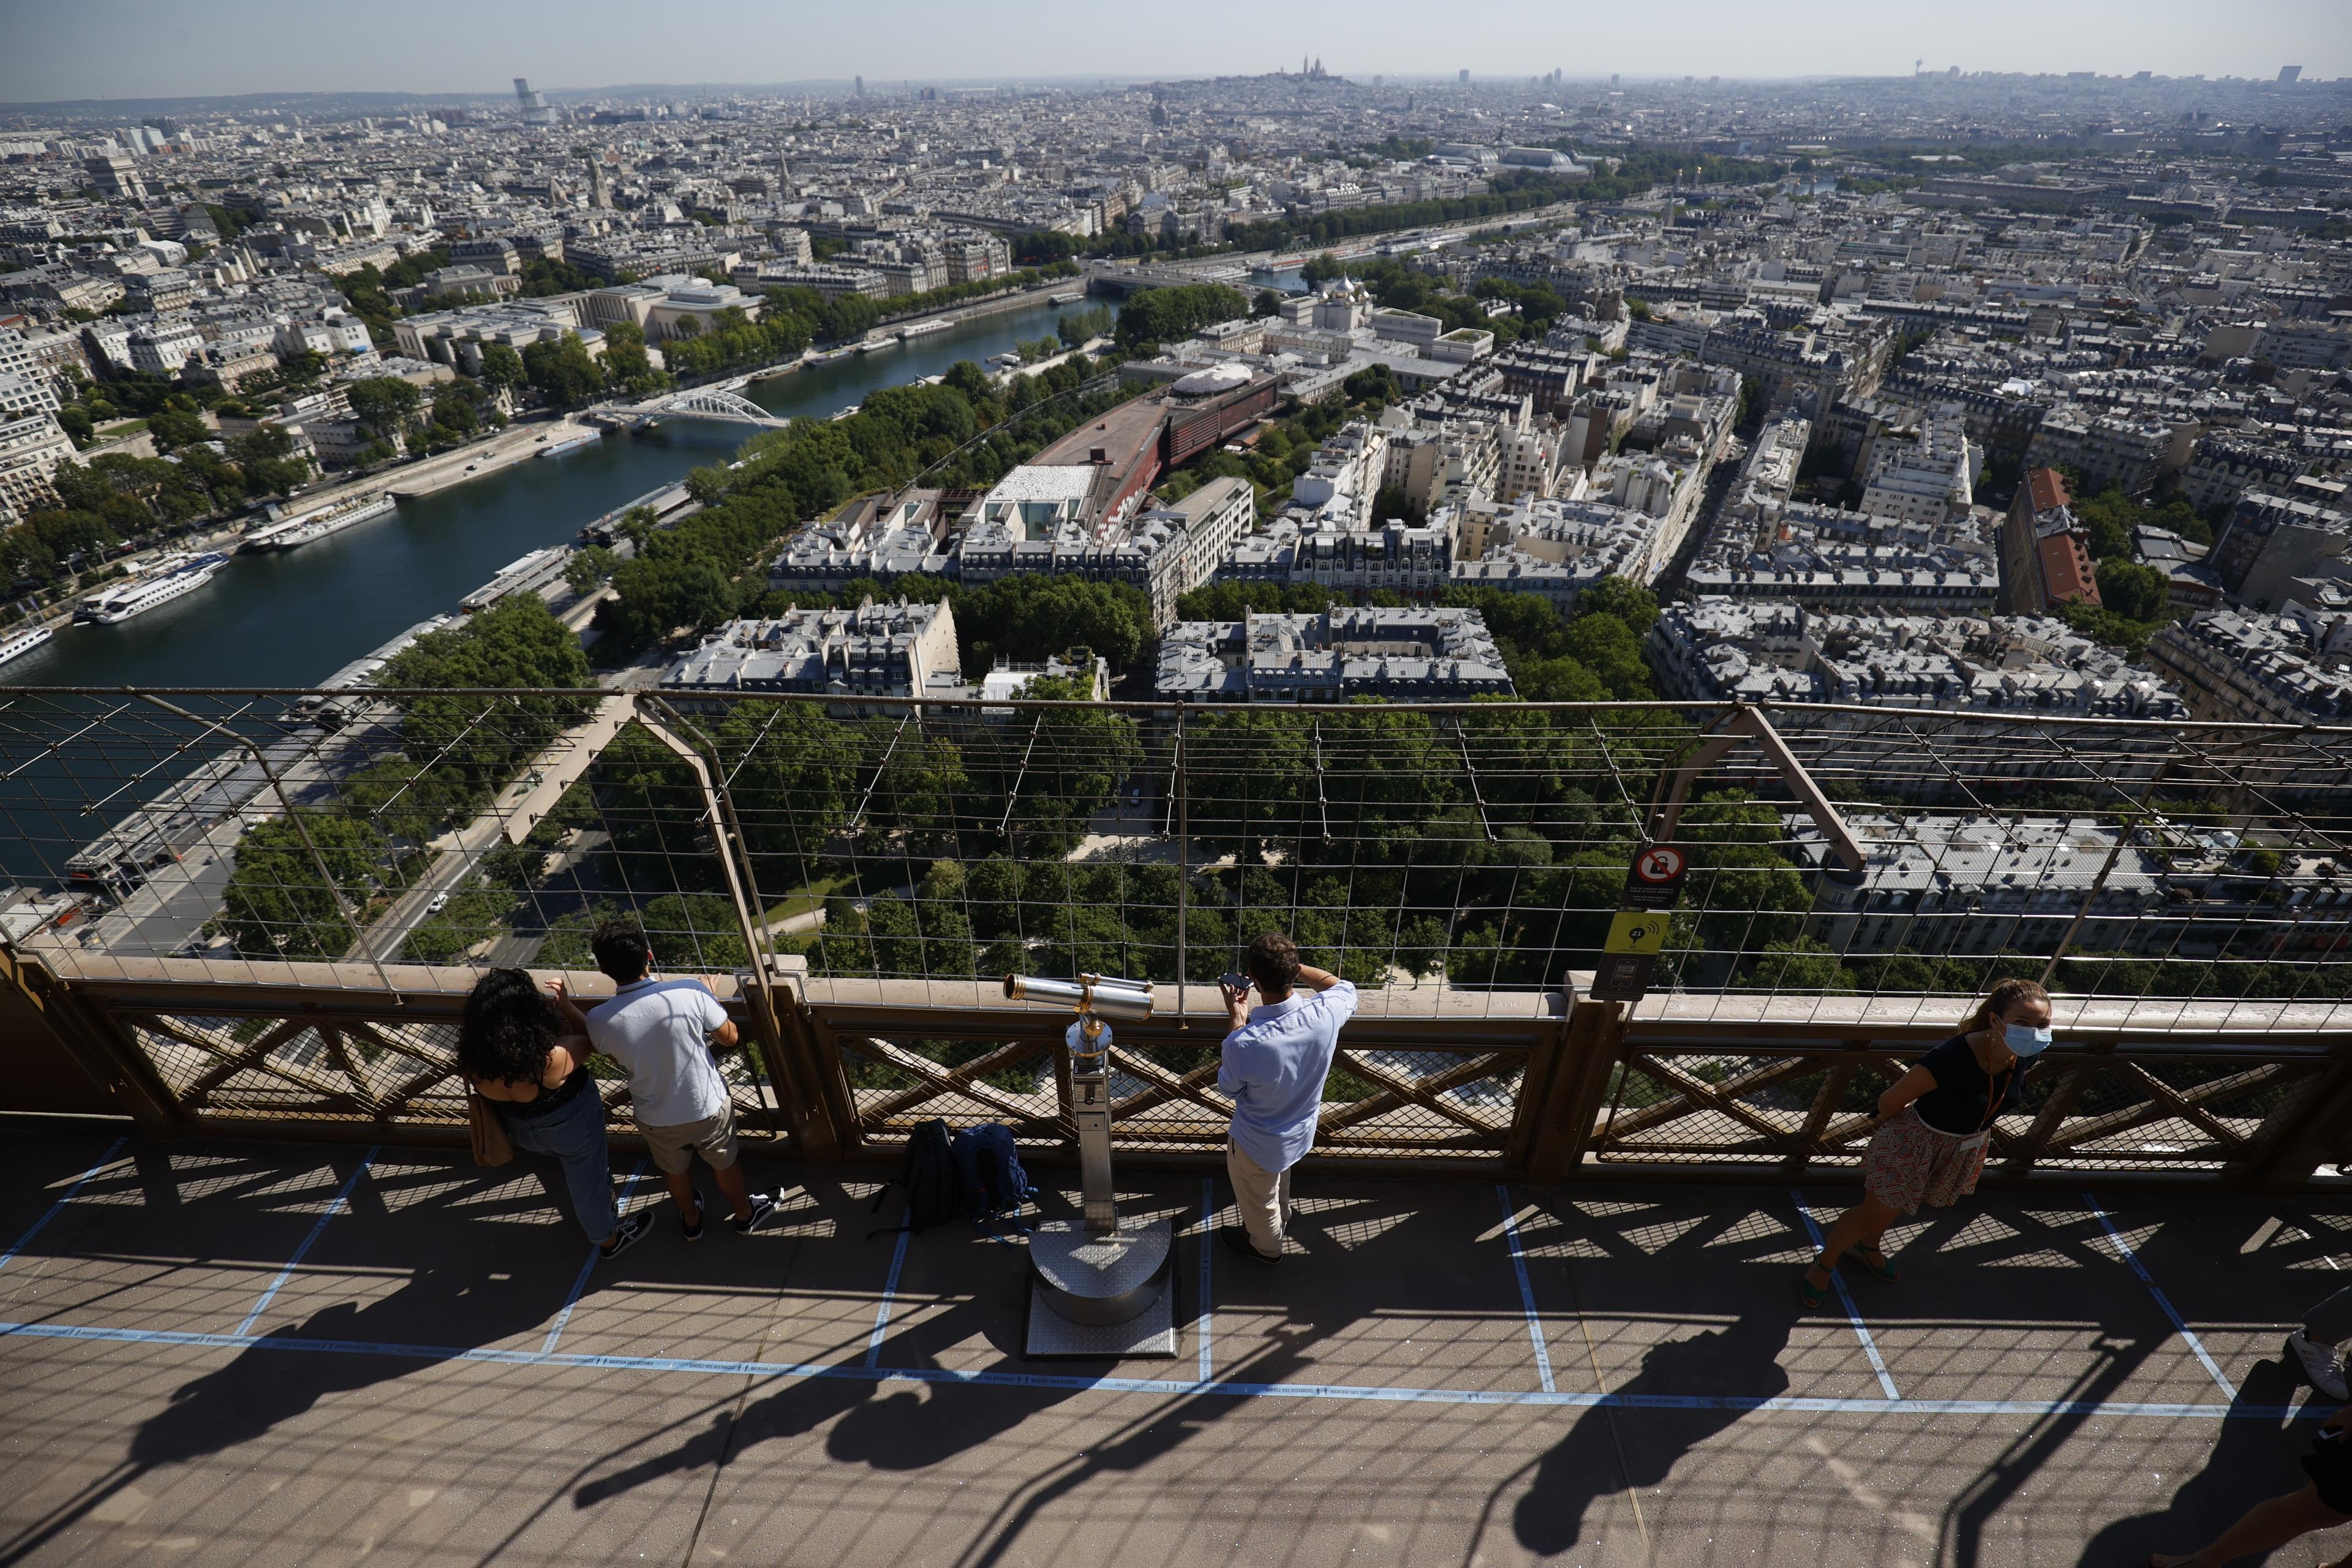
[
  {"x": 1480, "y": 847},
  {"x": 1551, "y": 1089}
]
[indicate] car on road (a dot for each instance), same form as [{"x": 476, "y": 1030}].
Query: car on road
[{"x": 440, "y": 901}]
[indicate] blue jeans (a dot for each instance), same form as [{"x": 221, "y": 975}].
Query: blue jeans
[{"x": 574, "y": 1133}]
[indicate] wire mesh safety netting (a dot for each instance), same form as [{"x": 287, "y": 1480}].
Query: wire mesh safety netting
[{"x": 1475, "y": 849}]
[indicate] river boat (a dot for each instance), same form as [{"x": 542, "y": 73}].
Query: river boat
[
  {"x": 311, "y": 526},
  {"x": 173, "y": 577},
  {"x": 587, "y": 439},
  {"x": 21, "y": 641}
]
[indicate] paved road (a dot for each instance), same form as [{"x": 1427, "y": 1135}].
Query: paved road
[
  {"x": 242, "y": 1352},
  {"x": 508, "y": 816},
  {"x": 164, "y": 914}
]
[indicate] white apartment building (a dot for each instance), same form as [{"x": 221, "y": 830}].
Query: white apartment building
[
  {"x": 1928, "y": 480},
  {"x": 31, "y": 447},
  {"x": 1527, "y": 464},
  {"x": 161, "y": 349},
  {"x": 24, "y": 395}
]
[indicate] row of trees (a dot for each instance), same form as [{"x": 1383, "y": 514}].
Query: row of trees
[
  {"x": 1364, "y": 832},
  {"x": 1153, "y": 316},
  {"x": 117, "y": 498},
  {"x": 1637, "y": 171},
  {"x": 694, "y": 576},
  {"x": 455, "y": 752},
  {"x": 1511, "y": 190},
  {"x": 397, "y": 413},
  {"x": 792, "y": 319}
]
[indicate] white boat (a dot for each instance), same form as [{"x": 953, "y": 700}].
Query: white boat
[
  {"x": 173, "y": 575},
  {"x": 588, "y": 439},
  {"x": 13, "y": 643},
  {"x": 920, "y": 328},
  {"x": 315, "y": 525}
]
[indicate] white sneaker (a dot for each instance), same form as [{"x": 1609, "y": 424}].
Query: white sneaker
[{"x": 2322, "y": 1366}]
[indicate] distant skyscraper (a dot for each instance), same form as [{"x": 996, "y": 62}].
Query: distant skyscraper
[
  {"x": 2288, "y": 74},
  {"x": 1463, "y": 79},
  {"x": 861, "y": 87},
  {"x": 534, "y": 107}
]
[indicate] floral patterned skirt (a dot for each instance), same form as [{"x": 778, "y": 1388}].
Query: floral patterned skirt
[{"x": 1910, "y": 1164}]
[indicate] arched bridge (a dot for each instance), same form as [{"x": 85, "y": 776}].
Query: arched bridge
[{"x": 709, "y": 403}]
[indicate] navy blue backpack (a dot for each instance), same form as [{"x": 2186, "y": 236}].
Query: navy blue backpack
[{"x": 988, "y": 1168}]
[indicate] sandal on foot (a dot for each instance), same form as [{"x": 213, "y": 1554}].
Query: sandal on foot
[
  {"x": 1808, "y": 1293},
  {"x": 1881, "y": 1269}
]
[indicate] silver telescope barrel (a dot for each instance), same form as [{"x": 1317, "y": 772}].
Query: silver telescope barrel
[{"x": 1126, "y": 1000}]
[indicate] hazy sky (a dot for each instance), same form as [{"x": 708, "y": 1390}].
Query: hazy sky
[{"x": 52, "y": 49}]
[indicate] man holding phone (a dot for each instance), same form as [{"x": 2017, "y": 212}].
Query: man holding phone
[{"x": 1274, "y": 1060}]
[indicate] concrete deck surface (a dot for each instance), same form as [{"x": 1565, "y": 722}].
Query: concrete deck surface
[{"x": 269, "y": 1354}]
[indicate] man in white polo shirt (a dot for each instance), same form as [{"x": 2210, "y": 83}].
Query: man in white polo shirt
[
  {"x": 663, "y": 1032},
  {"x": 1276, "y": 1057}
]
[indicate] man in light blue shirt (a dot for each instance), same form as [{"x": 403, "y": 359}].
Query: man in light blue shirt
[{"x": 1276, "y": 1057}]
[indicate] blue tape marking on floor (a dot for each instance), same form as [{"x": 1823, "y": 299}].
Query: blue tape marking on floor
[
  {"x": 1527, "y": 1291},
  {"x": 2188, "y": 1337},
  {"x": 79, "y": 1182},
  {"x": 1781, "y": 1404},
  {"x": 1208, "y": 1235},
  {"x": 1853, "y": 1313},
  {"x": 580, "y": 1282},
  {"x": 342, "y": 1194},
  {"x": 882, "y": 1313}
]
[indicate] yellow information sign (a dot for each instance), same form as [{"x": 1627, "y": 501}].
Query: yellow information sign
[{"x": 1637, "y": 930}]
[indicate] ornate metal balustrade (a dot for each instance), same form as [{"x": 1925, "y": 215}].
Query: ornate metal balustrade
[{"x": 1551, "y": 1089}]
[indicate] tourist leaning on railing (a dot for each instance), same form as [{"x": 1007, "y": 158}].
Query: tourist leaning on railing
[
  {"x": 664, "y": 1031},
  {"x": 1274, "y": 1062},
  {"x": 1933, "y": 1124},
  {"x": 528, "y": 1056}
]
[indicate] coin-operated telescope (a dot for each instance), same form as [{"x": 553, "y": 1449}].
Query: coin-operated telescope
[{"x": 1097, "y": 1288}]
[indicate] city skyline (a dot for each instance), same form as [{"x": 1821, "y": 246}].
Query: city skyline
[{"x": 163, "y": 52}]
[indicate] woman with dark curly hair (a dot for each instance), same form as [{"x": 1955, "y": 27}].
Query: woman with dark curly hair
[
  {"x": 1933, "y": 1126},
  {"x": 527, "y": 1054}
]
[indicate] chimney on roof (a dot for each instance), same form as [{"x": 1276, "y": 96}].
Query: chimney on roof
[{"x": 1098, "y": 455}]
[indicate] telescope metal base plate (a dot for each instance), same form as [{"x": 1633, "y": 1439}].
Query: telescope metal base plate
[
  {"x": 1051, "y": 1337},
  {"x": 1094, "y": 1296}
]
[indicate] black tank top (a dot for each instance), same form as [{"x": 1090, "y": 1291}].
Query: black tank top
[{"x": 550, "y": 1101}]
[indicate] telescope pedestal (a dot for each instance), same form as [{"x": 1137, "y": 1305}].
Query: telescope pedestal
[{"x": 1095, "y": 1296}]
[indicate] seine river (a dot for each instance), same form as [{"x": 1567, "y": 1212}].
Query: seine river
[{"x": 293, "y": 618}]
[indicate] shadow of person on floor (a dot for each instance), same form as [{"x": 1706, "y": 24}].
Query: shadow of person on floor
[
  {"x": 905, "y": 1430},
  {"x": 2253, "y": 1457},
  {"x": 288, "y": 1371},
  {"x": 1142, "y": 1441},
  {"x": 1738, "y": 1364}
]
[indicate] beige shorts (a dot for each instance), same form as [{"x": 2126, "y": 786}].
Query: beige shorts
[{"x": 673, "y": 1147}]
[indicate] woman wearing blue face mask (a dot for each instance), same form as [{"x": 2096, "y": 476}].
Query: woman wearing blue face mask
[{"x": 1933, "y": 1126}]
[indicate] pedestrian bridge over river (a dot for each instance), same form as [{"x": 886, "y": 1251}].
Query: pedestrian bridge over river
[{"x": 703, "y": 403}]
